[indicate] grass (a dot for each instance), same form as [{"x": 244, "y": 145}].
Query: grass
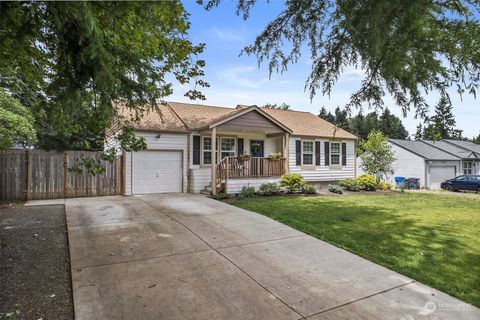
[{"x": 434, "y": 239}]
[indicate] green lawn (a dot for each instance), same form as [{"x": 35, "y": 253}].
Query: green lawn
[{"x": 432, "y": 238}]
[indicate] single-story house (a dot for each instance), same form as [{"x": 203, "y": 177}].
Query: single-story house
[
  {"x": 190, "y": 145},
  {"x": 434, "y": 161}
]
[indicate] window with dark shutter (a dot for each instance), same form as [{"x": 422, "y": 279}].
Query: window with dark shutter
[
  {"x": 240, "y": 146},
  {"x": 327, "y": 153},
  {"x": 344, "y": 154},
  {"x": 298, "y": 152},
  {"x": 317, "y": 153},
  {"x": 196, "y": 149}
]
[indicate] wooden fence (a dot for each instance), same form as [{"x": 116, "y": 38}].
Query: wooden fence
[{"x": 39, "y": 174}]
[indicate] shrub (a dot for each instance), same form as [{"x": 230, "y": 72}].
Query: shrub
[
  {"x": 292, "y": 182},
  {"x": 268, "y": 189},
  {"x": 349, "y": 184},
  {"x": 335, "y": 188},
  {"x": 309, "y": 189},
  {"x": 247, "y": 192},
  {"x": 385, "y": 186},
  {"x": 220, "y": 196},
  {"x": 366, "y": 182}
]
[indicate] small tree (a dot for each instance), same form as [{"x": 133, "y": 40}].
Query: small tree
[
  {"x": 16, "y": 123},
  {"x": 377, "y": 156}
]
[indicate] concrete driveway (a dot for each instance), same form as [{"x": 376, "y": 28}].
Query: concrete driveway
[{"x": 184, "y": 256}]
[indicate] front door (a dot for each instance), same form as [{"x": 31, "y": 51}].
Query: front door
[{"x": 256, "y": 148}]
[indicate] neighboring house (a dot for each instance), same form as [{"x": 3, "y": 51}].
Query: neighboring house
[
  {"x": 434, "y": 161},
  {"x": 182, "y": 157}
]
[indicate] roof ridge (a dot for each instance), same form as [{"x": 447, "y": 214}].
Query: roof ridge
[{"x": 176, "y": 114}]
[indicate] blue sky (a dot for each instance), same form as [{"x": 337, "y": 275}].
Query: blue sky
[{"x": 238, "y": 79}]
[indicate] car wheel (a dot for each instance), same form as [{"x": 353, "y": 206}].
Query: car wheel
[
  {"x": 478, "y": 190},
  {"x": 448, "y": 188}
]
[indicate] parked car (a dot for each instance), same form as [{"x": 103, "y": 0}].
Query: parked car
[{"x": 466, "y": 182}]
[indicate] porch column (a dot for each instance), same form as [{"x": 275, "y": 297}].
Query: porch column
[
  {"x": 285, "y": 139},
  {"x": 214, "y": 160}
]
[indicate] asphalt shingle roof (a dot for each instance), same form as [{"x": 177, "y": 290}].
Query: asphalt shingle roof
[
  {"x": 448, "y": 147},
  {"x": 424, "y": 150},
  {"x": 183, "y": 117}
]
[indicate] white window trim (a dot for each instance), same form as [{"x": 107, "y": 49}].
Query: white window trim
[
  {"x": 470, "y": 167},
  {"x": 229, "y": 151},
  {"x": 202, "y": 151},
  {"x": 339, "y": 164},
  {"x": 312, "y": 153}
]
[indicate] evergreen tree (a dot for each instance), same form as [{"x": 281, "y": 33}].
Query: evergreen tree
[
  {"x": 419, "y": 132},
  {"x": 68, "y": 61},
  {"x": 406, "y": 48},
  {"x": 341, "y": 118},
  {"x": 476, "y": 139},
  {"x": 443, "y": 122},
  {"x": 391, "y": 126},
  {"x": 326, "y": 115}
]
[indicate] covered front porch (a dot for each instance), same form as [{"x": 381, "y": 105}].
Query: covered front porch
[{"x": 242, "y": 157}]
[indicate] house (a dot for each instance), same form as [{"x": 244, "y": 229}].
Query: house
[
  {"x": 190, "y": 145},
  {"x": 435, "y": 161}
]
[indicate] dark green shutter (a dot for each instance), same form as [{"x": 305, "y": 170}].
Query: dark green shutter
[
  {"x": 240, "y": 146},
  {"x": 317, "y": 153},
  {"x": 344, "y": 154},
  {"x": 327, "y": 153},
  {"x": 196, "y": 149},
  {"x": 298, "y": 152}
]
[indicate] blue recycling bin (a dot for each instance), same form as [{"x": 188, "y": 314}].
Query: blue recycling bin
[{"x": 399, "y": 181}]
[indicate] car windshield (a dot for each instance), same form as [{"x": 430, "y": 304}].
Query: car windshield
[{"x": 460, "y": 178}]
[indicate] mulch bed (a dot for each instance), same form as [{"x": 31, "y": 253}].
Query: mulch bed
[{"x": 34, "y": 264}]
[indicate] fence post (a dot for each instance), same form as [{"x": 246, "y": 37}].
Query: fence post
[
  {"x": 25, "y": 178},
  {"x": 122, "y": 166},
  {"x": 65, "y": 172}
]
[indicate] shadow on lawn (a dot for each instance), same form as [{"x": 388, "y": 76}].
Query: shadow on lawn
[{"x": 428, "y": 253}]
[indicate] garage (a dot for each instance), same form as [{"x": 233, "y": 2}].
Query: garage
[
  {"x": 438, "y": 174},
  {"x": 157, "y": 171}
]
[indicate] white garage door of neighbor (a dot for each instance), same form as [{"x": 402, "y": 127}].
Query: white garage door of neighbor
[
  {"x": 157, "y": 171},
  {"x": 438, "y": 174}
]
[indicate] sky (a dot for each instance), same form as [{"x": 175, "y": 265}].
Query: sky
[{"x": 238, "y": 79}]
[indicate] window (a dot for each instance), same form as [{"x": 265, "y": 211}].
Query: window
[
  {"x": 467, "y": 167},
  {"x": 307, "y": 152},
  {"x": 207, "y": 150},
  {"x": 227, "y": 146},
  {"x": 334, "y": 153}
]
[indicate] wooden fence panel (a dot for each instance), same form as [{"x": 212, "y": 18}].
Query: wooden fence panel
[
  {"x": 12, "y": 178},
  {"x": 39, "y": 174}
]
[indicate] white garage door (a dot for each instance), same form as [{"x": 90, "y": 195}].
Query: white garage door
[
  {"x": 157, "y": 171},
  {"x": 438, "y": 174}
]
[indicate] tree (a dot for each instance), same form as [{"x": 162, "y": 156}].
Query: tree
[
  {"x": 443, "y": 121},
  {"x": 69, "y": 61},
  {"x": 419, "y": 132},
  {"x": 377, "y": 156},
  {"x": 405, "y": 48},
  {"x": 326, "y": 115},
  {"x": 391, "y": 126},
  {"x": 341, "y": 118},
  {"x": 16, "y": 123},
  {"x": 283, "y": 106},
  {"x": 476, "y": 139}
]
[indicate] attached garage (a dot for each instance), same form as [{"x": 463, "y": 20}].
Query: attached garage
[
  {"x": 157, "y": 171},
  {"x": 438, "y": 174}
]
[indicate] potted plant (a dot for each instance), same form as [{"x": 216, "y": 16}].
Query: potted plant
[
  {"x": 244, "y": 157},
  {"x": 274, "y": 156}
]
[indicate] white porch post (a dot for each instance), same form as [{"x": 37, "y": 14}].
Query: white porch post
[{"x": 214, "y": 158}]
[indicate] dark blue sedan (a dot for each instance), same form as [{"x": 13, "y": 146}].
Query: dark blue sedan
[{"x": 466, "y": 182}]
